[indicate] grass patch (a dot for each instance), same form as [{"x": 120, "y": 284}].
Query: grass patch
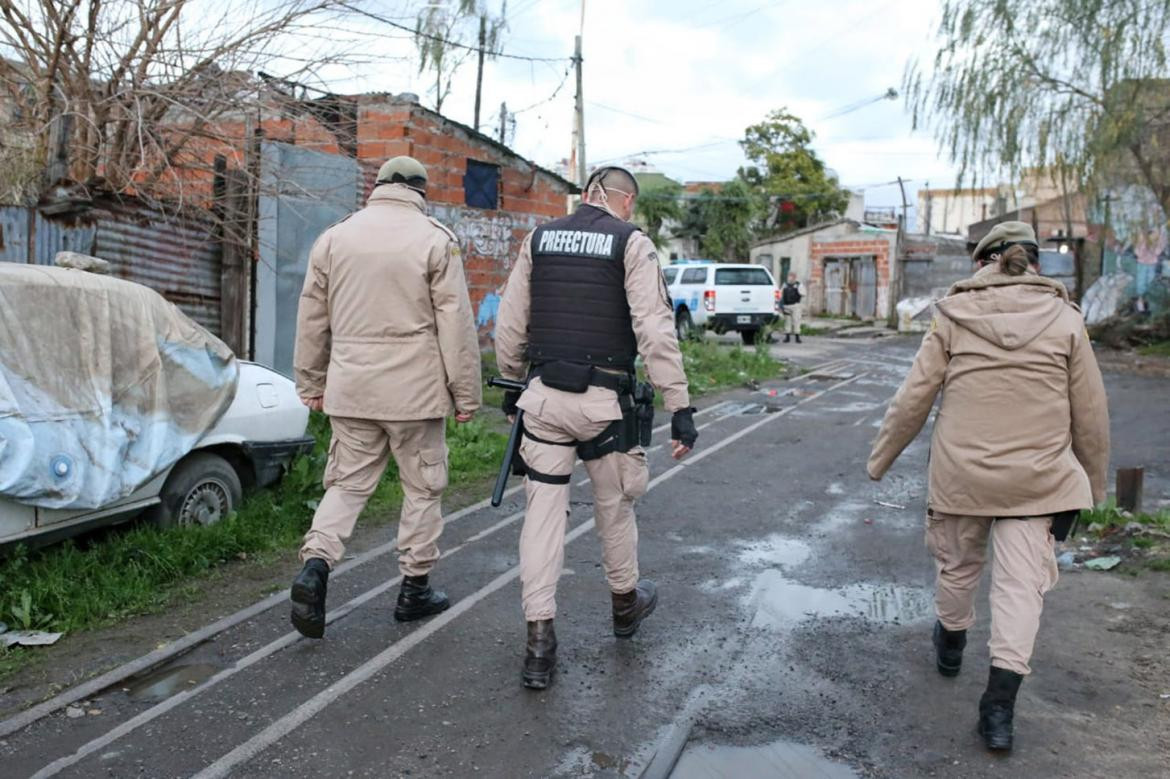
[
  {"x": 1149, "y": 546},
  {"x": 80, "y": 585},
  {"x": 1111, "y": 518},
  {"x": 711, "y": 368},
  {"x": 1160, "y": 349}
]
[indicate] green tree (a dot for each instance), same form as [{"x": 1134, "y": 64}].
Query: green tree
[
  {"x": 723, "y": 222},
  {"x": 788, "y": 175},
  {"x": 656, "y": 205},
  {"x": 1075, "y": 87}
]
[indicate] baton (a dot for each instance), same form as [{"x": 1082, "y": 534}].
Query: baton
[{"x": 513, "y": 440}]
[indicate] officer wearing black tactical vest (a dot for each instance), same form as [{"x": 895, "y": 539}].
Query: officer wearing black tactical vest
[{"x": 584, "y": 299}]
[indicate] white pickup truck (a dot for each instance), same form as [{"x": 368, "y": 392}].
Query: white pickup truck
[{"x": 722, "y": 297}]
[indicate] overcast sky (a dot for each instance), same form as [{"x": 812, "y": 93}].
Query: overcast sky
[{"x": 683, "y": 78}]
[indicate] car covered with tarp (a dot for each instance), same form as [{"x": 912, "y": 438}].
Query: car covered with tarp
[{"x": 109, "y": 393}]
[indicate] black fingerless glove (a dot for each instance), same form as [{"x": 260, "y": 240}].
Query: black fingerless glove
[
  {"x": 682, "y": 427},
  {"x": 509, "y": 405}
]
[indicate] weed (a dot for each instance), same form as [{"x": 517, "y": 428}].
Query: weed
[
  {"x": 711, "y": 367},
  {"x": 1159, "y": 349},
  {"x": 77, "y": 585}
]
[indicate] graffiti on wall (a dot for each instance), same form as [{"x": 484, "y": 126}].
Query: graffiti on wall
[
  {"x": 1137, "y": 246},
  {"x": 489, "y": 241}
]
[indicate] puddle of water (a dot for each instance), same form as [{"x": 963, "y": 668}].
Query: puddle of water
[
  {"x": 775, "y": 550},
  {"x": 780, "y": 759},
  {"x": 779, "y": 602},
  {"x": 854, "y": 407},
  {"x": 165, "y": 682},
  {"x": 721, "y": 585}
]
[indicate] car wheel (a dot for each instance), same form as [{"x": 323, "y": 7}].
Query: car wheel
[
  {"x": 749, "y": 336},
  {"x": 684, "y": 326},
  {"x": 202, "y": 489}
]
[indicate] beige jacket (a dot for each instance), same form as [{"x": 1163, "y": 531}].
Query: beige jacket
[
  {"x": 650, "y": 311},
  {"x": 385, "y": 329},
  {"x": 1023, "y": 428}
]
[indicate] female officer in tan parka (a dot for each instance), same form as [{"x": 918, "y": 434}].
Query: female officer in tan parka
[{"x": 1021, "y": 437}]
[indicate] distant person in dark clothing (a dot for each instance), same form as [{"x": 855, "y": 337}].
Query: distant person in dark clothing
[{"x": 792, "y": 308}]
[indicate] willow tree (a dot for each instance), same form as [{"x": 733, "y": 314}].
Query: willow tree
[
  {"x": 1077, "y": 88},
  {"x": 443, "y": 35}
]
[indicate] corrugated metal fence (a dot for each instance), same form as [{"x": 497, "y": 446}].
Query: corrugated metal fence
[{"x": 178, "y": 257}]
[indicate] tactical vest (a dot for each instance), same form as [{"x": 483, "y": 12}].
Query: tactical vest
[{"x": 579, "y": 311}]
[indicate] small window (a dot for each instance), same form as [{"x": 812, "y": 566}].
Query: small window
[
  {"x": 742, "y": 277},
  {"x": 785, "y": 267},
  {"x": 694, "y": 276},
  {"x": 669, "y": 274},
  {"x": 481, "y": 185}
]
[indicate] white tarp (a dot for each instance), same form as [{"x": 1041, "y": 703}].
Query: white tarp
[{"x": 103, "y": 385}]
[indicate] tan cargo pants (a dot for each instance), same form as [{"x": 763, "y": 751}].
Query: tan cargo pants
[
  {"x": 1023, "y": 570},
  {"x": 618, "y": 480},
  {"x": 358, "y": 455},
  {"x": 793, "y": 317}
]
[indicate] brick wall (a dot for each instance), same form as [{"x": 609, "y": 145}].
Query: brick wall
[
  {"x": 386, "y": 128},
  {"x": 489, "y": 239},
  {"x": 879, "y": 249}
]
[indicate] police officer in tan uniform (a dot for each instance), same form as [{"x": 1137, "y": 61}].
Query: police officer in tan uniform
[
  {"x": 387, "y": 347},
  {"x": 1020, "y": 445},
  {"x": 585, "y": 297}
]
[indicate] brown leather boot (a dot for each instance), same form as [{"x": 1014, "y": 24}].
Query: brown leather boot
[
  {"x": 630, "y": 608},
  {"x": 540, "y": 657}
]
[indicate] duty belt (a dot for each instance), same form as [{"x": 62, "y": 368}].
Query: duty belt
[{"x": 621, "y": 383}]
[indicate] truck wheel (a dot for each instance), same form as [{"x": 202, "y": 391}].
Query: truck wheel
[
  {"x": 202, "y": 489},
  {"x": 749, "y": 336},
  {"x": 684, "y": 326}
]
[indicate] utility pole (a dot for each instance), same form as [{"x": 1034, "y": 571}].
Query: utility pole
[
  {"x": 503, "y": 121},
  {"x": 580, "y": 114},
  {"x": 479, "y": 74},
  {"x": 929, "y": 204}
]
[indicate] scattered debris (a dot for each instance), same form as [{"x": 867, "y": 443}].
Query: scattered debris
[
  {"x": 868, "y": 521},
  {"x": 1103, "y": 563},
  {"x": 1067, "y": 561},
  {"x": 890, "y": 505},
  {"x": 74, "y": 712},
  {"x": 29, "y": 638}
]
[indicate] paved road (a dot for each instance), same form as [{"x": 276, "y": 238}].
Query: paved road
[{"x": 791, "y": 638}]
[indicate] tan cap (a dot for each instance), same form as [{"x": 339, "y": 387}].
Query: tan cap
[
  {"x": 1002, "y": 236},
  {"x": 406, "y": 168}
]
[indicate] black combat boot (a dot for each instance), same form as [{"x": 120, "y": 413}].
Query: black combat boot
[
  {"x": 630, "y": 608},
  {"x": 787, "y": 337},
  {"x": 416, "y": 599},
  {"x": 798, "y": 337},
  {"x": 997, "y": 706},
  {"x": 540, "y": 657},
  {"x": 308, "y": 598},
  {"x": 948, "y": 647}
]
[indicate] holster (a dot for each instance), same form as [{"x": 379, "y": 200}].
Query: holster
[
  {"x": 1064, "y": 524},
  {"x": 634, "y": 428}
]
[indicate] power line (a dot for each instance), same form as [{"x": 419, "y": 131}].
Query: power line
[
  {"x": 649, "y": 152},
  {"x": 630, "y": 114},
  {"x": 548, "y": 99},
  {"x": 448, "y": 42}
]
